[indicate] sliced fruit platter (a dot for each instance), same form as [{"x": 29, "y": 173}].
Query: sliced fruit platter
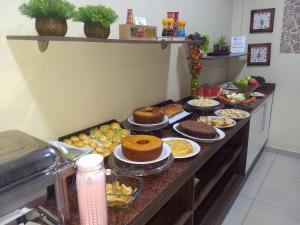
[
  {"x": 208, "y": 92},
  {"x": 233, "y": 98}
]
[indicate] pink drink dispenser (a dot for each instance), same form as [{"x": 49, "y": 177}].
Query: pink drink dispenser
[{"x": 91, "y": 190}]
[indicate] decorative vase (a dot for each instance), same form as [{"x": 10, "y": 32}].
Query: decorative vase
[
  {"x": 217, "y": 48},
  {"x": 51, "y": 27},
  {"x": 94, "y": 30}
]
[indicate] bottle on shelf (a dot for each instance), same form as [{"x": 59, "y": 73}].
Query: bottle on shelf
[{"x": 130, "y": 17}]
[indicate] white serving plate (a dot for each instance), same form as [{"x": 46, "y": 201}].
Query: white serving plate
[
  {"x": 257, "y": 94},
  {"x": 130, "y": 120},
  {"x": 179, "y": 117},
  {"x": 166, "y": 151},
  {"x": 233, "y": 122},
  {"x": 196, "y": 147},
  {"x": 216, "y": 103},
  {"x": 220, "y": 132},
  {"x": 232, "y": 117}
]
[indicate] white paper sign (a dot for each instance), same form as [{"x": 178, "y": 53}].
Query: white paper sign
[
  {"x": 238, "y": 44},
  {"x": 140, "y": 21}
]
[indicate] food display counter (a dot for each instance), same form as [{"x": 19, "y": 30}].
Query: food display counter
[{"x": 197, "y": 190}]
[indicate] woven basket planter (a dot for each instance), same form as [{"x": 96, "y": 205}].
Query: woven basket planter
[
  {"x": 51, "y": 27},
  {"x": 92, "y": 30}
]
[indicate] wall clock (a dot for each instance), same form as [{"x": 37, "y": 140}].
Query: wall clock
[
  {"x": 262, "y": 20},
  {"x": 259, "y": 54}
]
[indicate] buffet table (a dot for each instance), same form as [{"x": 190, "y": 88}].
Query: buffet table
[{"x": 199, "y": 190}]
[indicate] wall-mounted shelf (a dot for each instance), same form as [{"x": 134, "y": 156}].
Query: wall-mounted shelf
[
  {"x": 43, "y": 41},
  {"x": 232, "y": 55}
]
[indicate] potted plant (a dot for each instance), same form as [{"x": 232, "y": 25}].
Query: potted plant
[
  {"x": 206, "y": 44},
  {"x": 50, "y": 15},
  {"x": 221, "y": 45},
  {"x": 97, "y": 20}
]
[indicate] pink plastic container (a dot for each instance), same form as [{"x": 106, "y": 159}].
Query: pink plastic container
[{"x": 91, "y": 190}]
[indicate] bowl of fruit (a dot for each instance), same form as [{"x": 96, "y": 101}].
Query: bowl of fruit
[{"x": 246, "y": 85}]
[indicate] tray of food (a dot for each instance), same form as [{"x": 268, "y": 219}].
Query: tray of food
[
  {"x": 109, "y": 135},
  {"x": 102, "y": 138},
  {"x": 202, "y": 104},
  {"x": 235, "y": 98},
  {"x": 221, "y": 122},
  {"x": 199, "y": 131},
  {"x": 235, "y": 114},
  {"x": 208, "y": 92},
  {"x": 175, "y": 112},
  {"x": 141, "y": 155},
  {"x": 182, "y": 148}
]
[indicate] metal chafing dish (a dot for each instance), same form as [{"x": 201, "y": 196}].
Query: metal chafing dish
[{"x": 27, "y": 167}]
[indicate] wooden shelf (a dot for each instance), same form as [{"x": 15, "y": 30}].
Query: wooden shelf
[
  {"x": 184, "y": 218},
  {"x": 224, "y": 200},
  {"x": 163, "y": 41},
  {"x": 215, "y": 174},
  {"x": 232, "y": 55},
  {"x": 180, "y": 206}
]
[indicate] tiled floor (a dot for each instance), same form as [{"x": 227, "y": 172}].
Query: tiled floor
[{"x": 271, "y": 195}]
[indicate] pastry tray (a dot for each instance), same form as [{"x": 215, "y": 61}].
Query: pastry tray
[
  {"x": 87, "y": 130},
  {"x": 139, "y": 170}
]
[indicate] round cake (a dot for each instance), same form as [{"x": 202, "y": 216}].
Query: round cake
[
  {"x": 197, "y": 129},
  {"x": 148, "y": 115},
  {"x": 141, "y": 148}
]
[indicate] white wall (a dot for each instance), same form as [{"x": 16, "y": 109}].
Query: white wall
[
  {"x": 75, "y": 85},
  {"x": 284, "y": 71}
]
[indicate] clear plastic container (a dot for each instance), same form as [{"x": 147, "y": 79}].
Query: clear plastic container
[{"x": 91, "y": 190}]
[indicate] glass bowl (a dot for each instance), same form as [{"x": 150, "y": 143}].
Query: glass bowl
[{"x": 118, "y": 198}]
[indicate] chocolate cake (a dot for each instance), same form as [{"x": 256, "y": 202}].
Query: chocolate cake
[{"x": 197, "y": 129}]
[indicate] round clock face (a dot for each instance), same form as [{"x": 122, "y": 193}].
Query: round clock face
[
  {"x": 259, "y": 55},
  {"x": 262, "y": 20}
]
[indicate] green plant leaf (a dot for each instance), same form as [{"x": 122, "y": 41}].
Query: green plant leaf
[
  {"x": 97, "y": 14},
  {"x": 222, "y": 40},
  {"x": 56, "y": 9}
]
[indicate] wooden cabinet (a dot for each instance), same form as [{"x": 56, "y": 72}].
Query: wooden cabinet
[
  {"x": 208, "y": 195},
  {"x": 259, "y": 130}
]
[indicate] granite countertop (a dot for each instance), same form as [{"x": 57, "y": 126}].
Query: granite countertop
[{"x": 158, "y": 189}]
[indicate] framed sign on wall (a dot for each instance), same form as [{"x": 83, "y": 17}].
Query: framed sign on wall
[
  {"x": 259, "y": 54},
  {"x": 262, "y": 20}
]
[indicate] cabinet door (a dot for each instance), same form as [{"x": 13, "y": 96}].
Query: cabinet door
[
  {"x": 255, "y": 142},
  {"x": 267, "y": 118}
]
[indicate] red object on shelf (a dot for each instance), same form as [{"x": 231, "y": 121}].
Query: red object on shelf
[
  {"x": 130, "y": 17},
  {"x": 175, "y": 16},
  {"x": 208, "y": 92}
]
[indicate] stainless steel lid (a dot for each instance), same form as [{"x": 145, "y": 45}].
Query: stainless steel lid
[{"x": 23, "y": 156}]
